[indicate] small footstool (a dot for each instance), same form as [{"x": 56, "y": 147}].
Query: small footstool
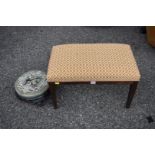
[{"x": 92, "y": 64}]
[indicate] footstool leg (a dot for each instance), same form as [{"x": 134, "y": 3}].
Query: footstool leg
[
  {"x": 132, "y": 91},
  {"x": 53, "y": 93}
]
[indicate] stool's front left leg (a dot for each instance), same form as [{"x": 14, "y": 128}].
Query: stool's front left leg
[
  {"x": 53, "y": 93},
  {"x": 131, "y": 94}
]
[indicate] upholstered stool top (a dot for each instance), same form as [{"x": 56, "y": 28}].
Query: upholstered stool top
[{"x": 92, "y": 62}]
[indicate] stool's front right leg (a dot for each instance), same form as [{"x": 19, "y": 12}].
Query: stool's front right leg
[{"x": 131, "y": 94}]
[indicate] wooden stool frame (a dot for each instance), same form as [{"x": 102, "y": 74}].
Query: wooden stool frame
[{"x": 132, "y": 90}]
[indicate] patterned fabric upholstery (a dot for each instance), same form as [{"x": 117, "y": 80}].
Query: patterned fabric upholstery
[{"x": 92, "y": 62}]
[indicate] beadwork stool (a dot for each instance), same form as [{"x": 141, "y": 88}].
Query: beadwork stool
[{"x": 94, "y": 64}]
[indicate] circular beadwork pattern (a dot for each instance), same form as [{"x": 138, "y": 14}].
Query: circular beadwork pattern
[{"x": 31, "y": 84}]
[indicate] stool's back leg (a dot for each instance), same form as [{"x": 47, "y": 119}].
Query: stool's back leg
[
  {"x": 132, "y": 91},
  {"x": 53, "y": 93}
]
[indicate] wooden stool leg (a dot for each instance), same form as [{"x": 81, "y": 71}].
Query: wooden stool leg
[
  {"x": 132, "y": 91},
  {"x": 53, "y": 93}
]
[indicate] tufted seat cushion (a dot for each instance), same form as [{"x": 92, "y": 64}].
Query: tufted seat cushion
[{"x": 92, "y": 62}]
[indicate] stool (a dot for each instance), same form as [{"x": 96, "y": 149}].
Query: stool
[{"x": 94, "y": 64}]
